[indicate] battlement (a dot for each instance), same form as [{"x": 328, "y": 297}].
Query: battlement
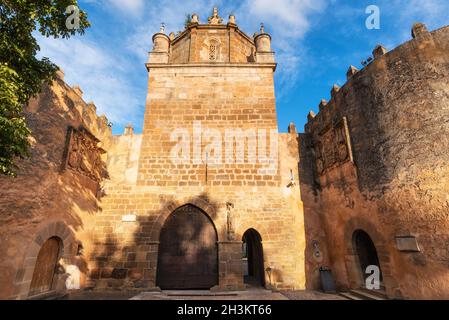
[
  {"x": 211, "y": 43},
  {"x": 71, "y": 98},
  {"x": 377, "y": 68}
]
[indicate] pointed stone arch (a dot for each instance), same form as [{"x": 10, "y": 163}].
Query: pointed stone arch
[
  {"x": 188, "y": 250},
  {"x": 211, "y": 210}
]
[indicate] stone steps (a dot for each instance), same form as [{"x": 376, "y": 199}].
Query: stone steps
[
  {"x": 349, "y": 296},
  {"x": 370, "y": 294},
  {"x": 364, "y": 294}
]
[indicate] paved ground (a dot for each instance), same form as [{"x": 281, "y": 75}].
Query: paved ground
[
  {"x": 250, "y": 294},
  {"x": 311, "y": 295}
]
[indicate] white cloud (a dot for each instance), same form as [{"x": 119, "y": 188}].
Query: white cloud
[
  {"x": 133, "y": 6},
  {"x": 286, "y": 20},
  {"x": 100, "y": 75},
  {"x": 123, "y": 7},
  {"x": 286, "y": 13},
  {"x": 108, "y": 77}
]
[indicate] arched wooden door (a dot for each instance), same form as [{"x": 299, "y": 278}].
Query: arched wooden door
[
  {"x": 188, "y": 255},
  {"x": 45, "y": 268},
  {"x": 366, "y": 252}
]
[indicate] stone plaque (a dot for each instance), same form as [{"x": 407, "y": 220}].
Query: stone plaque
[
  {"x": 407, "y": 244},
  {"x": 129, "y": 218}
]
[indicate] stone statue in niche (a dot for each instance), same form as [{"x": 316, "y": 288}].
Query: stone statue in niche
[{"x": 230, "y": 221}]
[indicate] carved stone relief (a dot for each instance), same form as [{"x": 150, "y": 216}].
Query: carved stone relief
[
  {"x": 333, "y": 147},
  {"x": 83, "y": 156}
]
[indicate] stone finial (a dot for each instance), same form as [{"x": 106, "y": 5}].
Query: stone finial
[
  {"x": 231, "y": 19},
  {"x": 78, "y": 90},
  {"x": 418, "y": 30},
  {"x": 262, "y": 40},
  {"x": 291, "y": 128},
  {"x": 379, "y": 51},
  {"x": 334, "y": 90},
  {"x": 322, "y": 104},
  {"x": 215, "y": 19},
  {"x": 311, "y": 115},
  {"x": 162, "y": 30},
  {"x": 172, "y": 36},
  {"x": 351, "y": 72},
  {"x": 195, "y": 18},
  {"x": 129, "y": 130}
]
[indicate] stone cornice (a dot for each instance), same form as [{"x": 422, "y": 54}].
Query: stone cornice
[
  {"x": 211, "y": 26},
  {"x": 210, "y": 65}
]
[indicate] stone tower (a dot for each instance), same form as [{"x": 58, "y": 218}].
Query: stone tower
[{"x": 207, "y": 187}]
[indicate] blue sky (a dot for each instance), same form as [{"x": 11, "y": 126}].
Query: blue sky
[{"x": 315, "y": 42}]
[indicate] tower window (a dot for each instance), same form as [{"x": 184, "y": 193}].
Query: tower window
[{"x": 213, "y": 50}]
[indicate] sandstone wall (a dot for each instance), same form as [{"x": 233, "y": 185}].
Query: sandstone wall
[
  {"x": 48, "y": 197},
  {"x": 192, "y": 46},
  {"x": 126, "y": 251},
  {"x": 231, "y": 92},
  {"x": 396, "y": 183},
  {"x": 218, "y": 99},
  {"x": 123, "y": 158}
]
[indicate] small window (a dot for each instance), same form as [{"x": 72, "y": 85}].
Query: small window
[{"x": 213, "y": 50}]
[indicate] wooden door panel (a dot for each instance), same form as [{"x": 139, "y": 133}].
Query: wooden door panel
[
  {"x": 45, "y": 267},
  {"x": 188, "y": 253}
]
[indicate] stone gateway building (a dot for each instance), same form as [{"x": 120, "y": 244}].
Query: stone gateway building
[{"x": 211, "y": 196}]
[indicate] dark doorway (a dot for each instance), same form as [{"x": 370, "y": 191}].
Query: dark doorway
[
  {"x": 253, "y": 256},
  {"x": 188, "y": 255},
  {"x": 45, "y": 268},
  {"x": 366, "y": 252}
]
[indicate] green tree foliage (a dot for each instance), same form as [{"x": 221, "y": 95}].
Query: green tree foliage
[
  {"x": 187, "y": 21},
  {"x": 22, "y": 74}
]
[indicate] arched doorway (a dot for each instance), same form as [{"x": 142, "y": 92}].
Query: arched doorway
[
  {"x": 46, "y": 265},
  {"x": 188, "y": 255},
  {"x": 254, "y": 274},
  {"x": 366, "y": 252}
]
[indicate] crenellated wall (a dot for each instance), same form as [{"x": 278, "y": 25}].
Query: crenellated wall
[
  {"x": 374, "y": 159},
  {"x": 380, "y": 156},
  {"x": 56, "y": 192}
]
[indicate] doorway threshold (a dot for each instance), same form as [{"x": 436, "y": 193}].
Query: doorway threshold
[{"x": 198, "y": 293}]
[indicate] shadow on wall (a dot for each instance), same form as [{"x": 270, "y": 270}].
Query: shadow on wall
[
  {"x": 42, "y": 195},
  {"x": 123, "y": 262},
  {"x": 315, "y": 255}
]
